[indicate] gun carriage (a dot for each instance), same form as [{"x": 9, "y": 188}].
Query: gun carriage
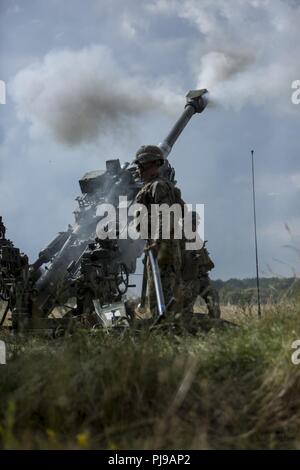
[{"x": 77, "y": 271}]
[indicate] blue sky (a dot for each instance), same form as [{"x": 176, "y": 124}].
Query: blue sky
[{"x": 152, "y": 52}]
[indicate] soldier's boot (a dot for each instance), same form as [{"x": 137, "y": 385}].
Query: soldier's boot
[{"x": 187, "y": 304}]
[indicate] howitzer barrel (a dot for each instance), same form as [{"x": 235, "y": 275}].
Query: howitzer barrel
[
  {"x": 53, "y": 248},
  {"x": 196, "y": 103}
]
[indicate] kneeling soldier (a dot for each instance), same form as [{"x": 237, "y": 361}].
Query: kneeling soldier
[{"x": 196, "y": 265}]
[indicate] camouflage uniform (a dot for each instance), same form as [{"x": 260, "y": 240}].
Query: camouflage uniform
[
  {"x": 196, "y": 281},
  {"x": 161, "y": 191}
]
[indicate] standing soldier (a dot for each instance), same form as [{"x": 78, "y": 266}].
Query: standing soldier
[
  {"x": 196, "y": 265},
  {"x": 158, "y": 190}
]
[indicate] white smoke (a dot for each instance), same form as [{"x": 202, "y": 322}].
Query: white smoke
[
  {"x": 216, "y": 67},
  {"x": 78, "y": 95},
  {"x": 248, "y": 50}
]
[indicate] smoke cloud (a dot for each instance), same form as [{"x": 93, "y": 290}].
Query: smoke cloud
[
  {"x": 247, "y": 53},
  {"x": 216, "y": 67},
  {"x": 78, "y": 95},
  {"x": 248, "y": 50}
]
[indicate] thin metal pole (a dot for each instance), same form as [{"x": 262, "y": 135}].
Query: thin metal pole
[
  {"x": 160, "y": 298},
  {"x": 255, "y": 236}
]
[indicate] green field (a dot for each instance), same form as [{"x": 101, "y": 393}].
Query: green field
[{"x": 230, "y": 388}]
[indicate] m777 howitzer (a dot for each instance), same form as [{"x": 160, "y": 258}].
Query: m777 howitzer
[{"x": 76, "y": 265}]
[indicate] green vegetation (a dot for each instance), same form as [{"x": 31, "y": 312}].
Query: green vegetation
[
  {"x": 243, "y": 291},
  {"x": 229, "y": 388}
]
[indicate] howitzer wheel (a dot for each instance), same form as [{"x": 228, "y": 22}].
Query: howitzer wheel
[{"x": 122, "y": 279}]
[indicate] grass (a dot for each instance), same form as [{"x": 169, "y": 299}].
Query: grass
[{"x": 233, "y": 388}]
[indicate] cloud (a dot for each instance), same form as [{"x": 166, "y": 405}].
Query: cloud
[
  {"x": 15, "y": 9},
  {"x": 79, "y": 95},
  {"x": 295, "y": 178},
  {"x": 282, "y": 232},
  {"x": 247, "y": 51},
  {"x": 128, "y": 27}
]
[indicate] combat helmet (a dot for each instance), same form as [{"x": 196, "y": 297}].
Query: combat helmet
[{"x": 148, "y": 154}]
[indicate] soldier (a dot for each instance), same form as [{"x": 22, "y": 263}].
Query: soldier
[
  {"x": 158, "y": 190},
  {"x": 196, "y": 265}
]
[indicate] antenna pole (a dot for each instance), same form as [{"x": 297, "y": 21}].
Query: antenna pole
[{"x": 255, "y": 236}]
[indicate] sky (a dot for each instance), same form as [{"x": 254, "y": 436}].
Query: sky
[{"x": 94, "y": 80}]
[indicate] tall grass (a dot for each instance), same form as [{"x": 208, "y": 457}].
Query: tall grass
[{"x": 228, "y": 388}]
